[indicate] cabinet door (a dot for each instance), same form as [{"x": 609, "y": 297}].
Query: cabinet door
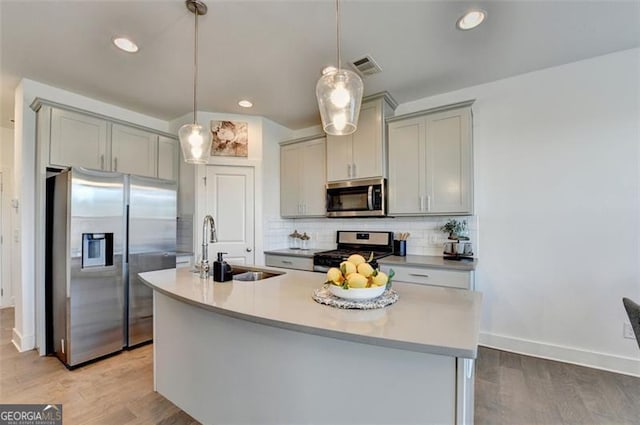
[
  {"x": 312, "y": 176},
  {"x": 449, "y": 162},
  {"x": 339, "y": 157},
  {"x": 290, "y": 163},
  {"x": 407, "y": 166},
  {"x": 77, "y": 140},
  {"x": 167, "y": 158},
  {"x": 368, "y": 149},
  {"x": 133, "y": 151}
]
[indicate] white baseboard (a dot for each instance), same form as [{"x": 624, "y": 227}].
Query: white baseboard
[
  {"x": 612, "y": 363},
  {"x": 23, "y": 343}
]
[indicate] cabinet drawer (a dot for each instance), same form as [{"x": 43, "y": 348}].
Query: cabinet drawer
[
  {"x": 183, "y": 261},
  {"x": 299, "y": 263},
  {"x": 436, "y": 277}
]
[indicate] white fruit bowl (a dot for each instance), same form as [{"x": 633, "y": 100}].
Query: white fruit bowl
[{"x": 357, "y": 293}]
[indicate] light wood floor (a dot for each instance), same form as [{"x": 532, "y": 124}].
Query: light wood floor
[
  {"x": 514, "y": 389},
  {"x": 511, "y": 389},
  {"x": 117, "y": 390}
]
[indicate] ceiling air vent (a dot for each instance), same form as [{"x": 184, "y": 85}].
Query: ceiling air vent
[{"x": 366, "y": 66}]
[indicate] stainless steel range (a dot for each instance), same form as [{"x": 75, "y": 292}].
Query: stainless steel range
[{"x": 354, "y": 242}]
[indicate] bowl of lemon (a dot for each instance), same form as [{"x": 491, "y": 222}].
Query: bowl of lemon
[{"x": 356, "y": 279}]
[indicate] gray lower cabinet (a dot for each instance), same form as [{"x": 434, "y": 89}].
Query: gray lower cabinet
[
  {"x": 289, "y": 262},
  {"x": 431, "y": 162},
  {"x": 461, "y": 279}
]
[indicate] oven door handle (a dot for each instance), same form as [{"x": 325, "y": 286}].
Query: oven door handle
[{"x": 370, "y": 198}]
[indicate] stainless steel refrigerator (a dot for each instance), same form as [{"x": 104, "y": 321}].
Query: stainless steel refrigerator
[
  {"x": 152, "y": 209},
  {"x": 102, "y": 229}
]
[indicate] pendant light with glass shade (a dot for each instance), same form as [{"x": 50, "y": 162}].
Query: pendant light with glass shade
[
  {"x": 195, "y": 140},
  {"x": 339, "y": 94}
]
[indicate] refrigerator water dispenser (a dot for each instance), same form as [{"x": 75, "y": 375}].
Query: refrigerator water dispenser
[{"x": 97, "y": 249}]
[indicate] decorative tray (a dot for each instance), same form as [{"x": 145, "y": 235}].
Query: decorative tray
[{"x": 323, "y": 296}]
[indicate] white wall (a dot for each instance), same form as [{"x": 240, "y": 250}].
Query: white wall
[
  {"x": 8, "y": 215},
  {"x": 557, "y": 196},
  {"x": 29, "y": 297},
  {"x": 557, "y": 193},
  {"x": 264, "y": 136}
]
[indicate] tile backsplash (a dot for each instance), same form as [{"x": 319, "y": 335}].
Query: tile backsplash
[{"x": 426, "y": 237}]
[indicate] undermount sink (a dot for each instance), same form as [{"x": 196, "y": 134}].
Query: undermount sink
[{"x": 247, "y": 274}]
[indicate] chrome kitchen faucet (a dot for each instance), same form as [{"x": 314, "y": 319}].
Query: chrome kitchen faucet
[{"x": 204, "y": 261}]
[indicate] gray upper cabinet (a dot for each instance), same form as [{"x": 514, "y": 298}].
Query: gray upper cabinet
[
  {"x": 431, "y": 162},
  {"x": 76, "y": 139},
  {"x": 362, "y": 154},
  {"x": 302, "y": 177},
  {"x": 168, "y": 158},
  {"x": 133, "y": 151}
]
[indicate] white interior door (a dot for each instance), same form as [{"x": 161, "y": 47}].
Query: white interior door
[{"x": 230, "y": 199}]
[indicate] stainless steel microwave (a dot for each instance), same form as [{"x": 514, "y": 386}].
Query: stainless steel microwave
[{"x": 357, "y": 198}]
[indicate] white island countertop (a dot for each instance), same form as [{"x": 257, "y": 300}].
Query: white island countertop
[{"x": 425, "y": 319}]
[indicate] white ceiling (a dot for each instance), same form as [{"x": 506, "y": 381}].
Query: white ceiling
[{"x": 271, "y": 52}]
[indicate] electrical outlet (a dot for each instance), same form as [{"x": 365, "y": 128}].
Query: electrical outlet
[{"x": 627, "y": 331}]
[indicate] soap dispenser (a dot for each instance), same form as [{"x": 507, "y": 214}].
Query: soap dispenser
[{"x": 221, "y": 270}]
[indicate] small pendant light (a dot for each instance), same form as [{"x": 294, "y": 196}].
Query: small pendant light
[
  {"x": 339, "y": 94},
  {"x": 195, "y": 140}
]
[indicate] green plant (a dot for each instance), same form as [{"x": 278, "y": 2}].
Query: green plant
[{"x": 454, "y": 228}]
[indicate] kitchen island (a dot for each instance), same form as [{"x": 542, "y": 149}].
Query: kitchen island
[{"x": 265, "y": 353}]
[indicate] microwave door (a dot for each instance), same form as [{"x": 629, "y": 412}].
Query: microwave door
[
  {"x": 356, "y": 198},
  {"x": 343, "y": 200}
]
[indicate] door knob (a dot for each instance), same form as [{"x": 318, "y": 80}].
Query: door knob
[{"x": 248, "y": 249}]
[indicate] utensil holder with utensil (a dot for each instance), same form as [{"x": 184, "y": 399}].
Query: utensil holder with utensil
[{"x": 400, "y": 244}]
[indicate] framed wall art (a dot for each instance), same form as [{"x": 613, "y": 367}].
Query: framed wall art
[{"x": 230, "y": 138}]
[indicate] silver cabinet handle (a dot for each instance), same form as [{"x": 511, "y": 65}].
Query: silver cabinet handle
[
  {"x": 468, "y": 367},
  {"x": 248, "y": 249},
  {"x": 115, "y": 164},
  {"x": 353, "y": 168},
  {"x": 286, "y": 262},
  {"x": 421, "y": 203},
  {"x": 348, "y": 170},
  {"x": 428, "y": 202},
  {"x": 102, "y": 162},
  {"x": 418, "y": 274}
]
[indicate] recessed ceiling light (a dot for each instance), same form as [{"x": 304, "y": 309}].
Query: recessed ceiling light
[
  {"x": 125, "y": 44},
  {"x": 328, "y": 69},
  {"x": 245, "y": 104},
  {"x": 471, "y": 19}
]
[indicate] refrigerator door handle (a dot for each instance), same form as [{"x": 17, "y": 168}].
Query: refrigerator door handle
[{"x": 126, "y": 246}]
